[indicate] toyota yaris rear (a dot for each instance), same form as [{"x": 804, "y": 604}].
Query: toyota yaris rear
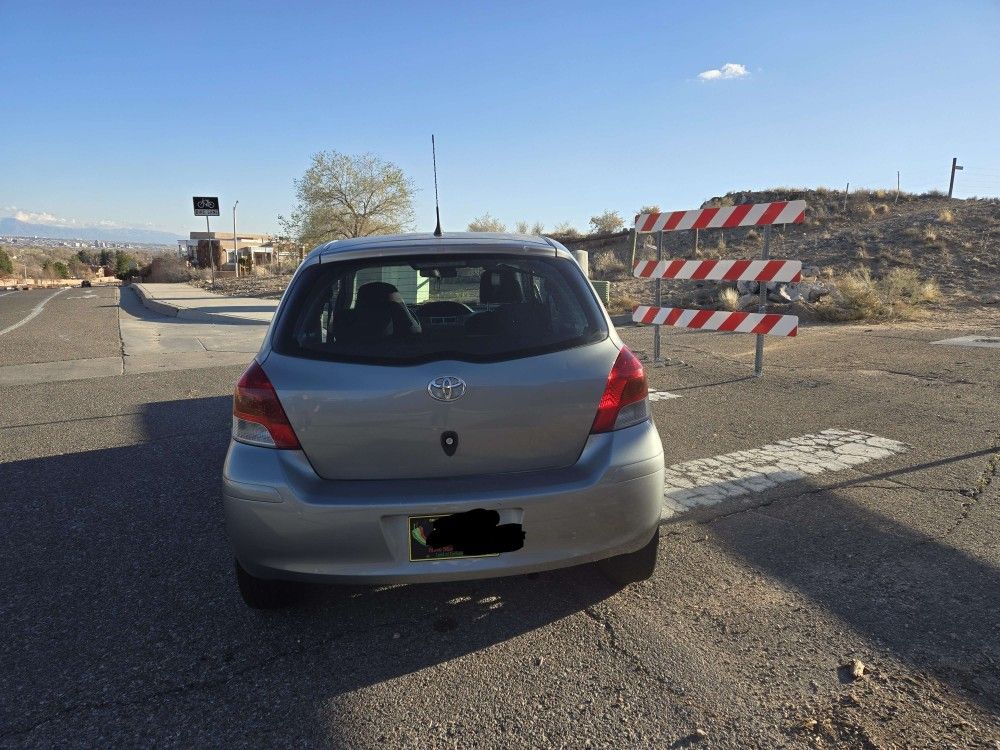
[{"x": 432, "y": 409}]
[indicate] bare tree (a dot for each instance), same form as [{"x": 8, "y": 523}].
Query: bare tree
[
  {"x": 606, "y": 223},
  {"x": 487, "y": 223},
  {"x": 343, "y": 195},
  {"x": 521, "y": 227},
  {"x": 654, "y": 209}
]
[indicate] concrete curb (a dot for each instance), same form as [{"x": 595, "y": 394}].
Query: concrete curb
[{"x": 173, "y": 311}]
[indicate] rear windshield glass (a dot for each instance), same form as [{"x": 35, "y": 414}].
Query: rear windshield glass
[{"x": 422, "y": 308}]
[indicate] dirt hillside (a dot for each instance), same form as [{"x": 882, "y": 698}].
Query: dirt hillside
[{"x": 956, "y": 242}]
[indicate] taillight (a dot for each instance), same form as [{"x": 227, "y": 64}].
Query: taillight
[
  {"x": 624, "y": 402},
  {"x": 258, "y": 417}
]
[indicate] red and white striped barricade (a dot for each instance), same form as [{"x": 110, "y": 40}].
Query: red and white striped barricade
[{"x": 764, "y": 270}]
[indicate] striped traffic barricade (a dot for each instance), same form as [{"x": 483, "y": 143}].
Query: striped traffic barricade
[{"x": 763, "y": 271}]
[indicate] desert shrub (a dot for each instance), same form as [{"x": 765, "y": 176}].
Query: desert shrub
[
  {"x": 606, "y": 223},
  {"x": 899, "y": 295},
  {"x": 882, "y": 208},
  {"x": 729, "y": 298},
  {"x": 622, "y": 302},
  {"x": 565, "y": 229},
  {"x": 905, "y": 285},
  {"x": 929, "y": 234},
  {"x": 867, "y": 210},
  {"x": 167, "y": 271},
  {"x": 945, "y": 216},
  {"x": 607, "y": 266},
  {"x": 487, "y": 223}
]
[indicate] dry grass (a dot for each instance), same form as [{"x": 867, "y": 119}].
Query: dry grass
[
  {"x": 867, "y": 210},
  {"x": 621, "y": 302},
  {"x": 607, "y": 266},
  {"x": 729, "y": 298},
  {"x": 930, "y": 234},
  {"x": 900, "y": 295},
  {"x": 946, "y": 216}
]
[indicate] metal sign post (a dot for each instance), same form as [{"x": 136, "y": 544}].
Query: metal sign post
[
  {"x": 758, "y": 360},
  {"x": 659, "y": 299},
  {"x": 205, "y": 205}
]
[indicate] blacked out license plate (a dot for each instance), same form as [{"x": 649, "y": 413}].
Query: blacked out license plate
[{"x": 475, "y": 533}]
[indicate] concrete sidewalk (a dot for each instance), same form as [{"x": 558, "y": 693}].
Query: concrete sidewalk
[{"x": 191, "y": 303}]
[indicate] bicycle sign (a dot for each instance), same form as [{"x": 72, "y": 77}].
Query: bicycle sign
[{"x": 206, "y": 205}]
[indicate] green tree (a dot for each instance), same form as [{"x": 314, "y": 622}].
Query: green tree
[
  {"x": 6, "y": 264},
  {"x": 606, "y": 223},
  {"x": 344, "y": 195},
  {"x": 105, "y": 258},
  {"x": 123, "y": 264},
  {"x": 487, "y": 223},
  {"x": 86, "y": 257},
  {"x": 60, "y": 270}
]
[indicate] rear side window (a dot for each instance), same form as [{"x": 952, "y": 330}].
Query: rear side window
[{"x": 413, "y": 309}]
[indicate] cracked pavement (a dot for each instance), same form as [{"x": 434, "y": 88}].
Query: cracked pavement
[{"x": 123, "y": 625}]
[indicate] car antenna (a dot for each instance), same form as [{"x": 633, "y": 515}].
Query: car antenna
[{"x": 437, "y": 206}]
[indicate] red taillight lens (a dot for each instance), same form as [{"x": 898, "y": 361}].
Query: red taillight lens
[
  {"x": 626, "y": 386},
  {"x": 258, "y": 417}
]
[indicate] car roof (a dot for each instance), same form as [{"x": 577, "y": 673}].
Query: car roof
[{"x": 447, "y": 242}]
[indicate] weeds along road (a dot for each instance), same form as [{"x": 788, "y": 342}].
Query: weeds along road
[{"x": 842, "y": 508}]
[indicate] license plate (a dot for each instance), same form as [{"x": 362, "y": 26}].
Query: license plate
[{"x": 472, "y": 534}]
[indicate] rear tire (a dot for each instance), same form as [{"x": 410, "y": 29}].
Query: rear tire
[
  {"x": 259, "y": 593},
  {"x": 635, "y": 566}
]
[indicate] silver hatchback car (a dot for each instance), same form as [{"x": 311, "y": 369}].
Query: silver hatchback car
[{"x": 432, "y": 408}]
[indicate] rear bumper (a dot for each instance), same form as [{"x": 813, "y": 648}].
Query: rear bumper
[{"x": 285, "y": 522}]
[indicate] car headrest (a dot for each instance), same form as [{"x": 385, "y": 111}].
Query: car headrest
[
  {"x": 375, "y": 293},
  {"x": 499, "y": 286}
]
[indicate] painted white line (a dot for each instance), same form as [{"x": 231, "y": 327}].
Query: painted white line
[
  {"x": 35, "y": 311},
  {"x": 984, "y": 341},
  {"x": 657, "y": 395},
  {"x": 6, "y": 293},
  {"x": 709, "y": 481}
]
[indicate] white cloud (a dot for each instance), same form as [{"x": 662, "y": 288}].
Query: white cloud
[
  {"x": 729, "y": 70},
  {"x": 40, "y": 217}
]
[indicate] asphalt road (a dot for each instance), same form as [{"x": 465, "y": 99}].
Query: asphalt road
[{"x": 122, "y": 624}]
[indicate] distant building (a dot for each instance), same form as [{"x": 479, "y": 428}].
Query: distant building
[{"x": 246, "y": 243}]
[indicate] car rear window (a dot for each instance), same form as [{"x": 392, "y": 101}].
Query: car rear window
[{"x": 412, "y": 309}]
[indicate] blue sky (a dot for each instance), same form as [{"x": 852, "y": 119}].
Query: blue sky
[{"x": 550, "y": 112}]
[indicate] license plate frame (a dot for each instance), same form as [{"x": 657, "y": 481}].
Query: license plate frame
[{"x": 418, "y": 549}]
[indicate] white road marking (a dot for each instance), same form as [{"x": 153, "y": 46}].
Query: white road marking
[
  {"x": 984, "y": 341},
  {"x": 35, "y": 311},
  {"x": 708, "y": 481},
  {"x": 6, "y": 293},
  {"x": 657, "y": 395}
]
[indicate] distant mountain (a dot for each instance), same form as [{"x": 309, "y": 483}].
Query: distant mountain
[{"x": 17, "y": 228}]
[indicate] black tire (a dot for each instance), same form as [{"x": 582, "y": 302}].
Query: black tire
[
  {"x": 635, "y": 566},
  {"x": 259, "y": 593}
]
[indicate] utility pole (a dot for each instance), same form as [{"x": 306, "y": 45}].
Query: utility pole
[
  {"x": 897, "y": 187},
  {"x": 846, "y": 191},
  {"x": 236, "y": 249},
  {"x": 954, "y": 168}
]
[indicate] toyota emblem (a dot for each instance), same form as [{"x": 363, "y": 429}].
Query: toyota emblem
[{"x": 446, "y": 388}]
